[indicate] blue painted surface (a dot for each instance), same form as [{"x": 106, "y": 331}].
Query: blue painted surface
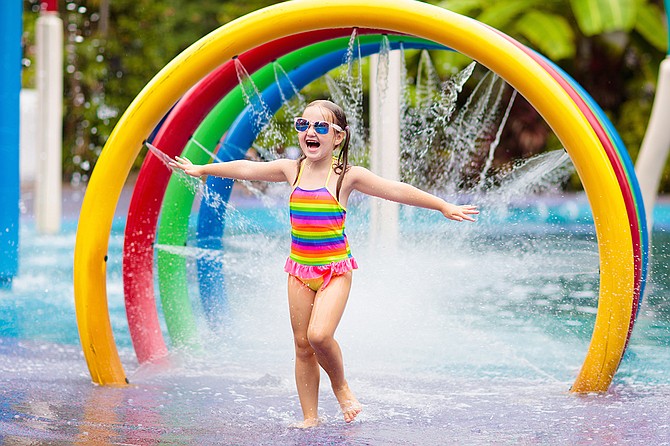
[{"x": 10, "y": 87}]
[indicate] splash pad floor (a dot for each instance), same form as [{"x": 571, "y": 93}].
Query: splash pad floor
[
  {"x": 489, "y": 361},
  {"x": 48, "y": 399}
]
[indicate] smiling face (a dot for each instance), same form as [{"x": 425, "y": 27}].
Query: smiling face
[{"x": 314, "y": 145}]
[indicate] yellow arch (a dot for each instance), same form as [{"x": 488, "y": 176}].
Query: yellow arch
[{"x": 407, "y": 16}]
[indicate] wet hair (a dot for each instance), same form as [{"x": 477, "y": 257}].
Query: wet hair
[{"x": 337, "y": 115}]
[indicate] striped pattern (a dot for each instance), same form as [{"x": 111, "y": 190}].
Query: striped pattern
[{"x": 317, "y": 228}]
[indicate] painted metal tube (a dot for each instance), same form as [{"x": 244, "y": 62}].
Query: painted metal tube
[
  {"x": 622, "y": 164},
  {"x": 10, "y": 88}
]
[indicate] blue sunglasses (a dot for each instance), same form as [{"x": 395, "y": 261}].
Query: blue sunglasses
[{"x": 320, "y": 127}]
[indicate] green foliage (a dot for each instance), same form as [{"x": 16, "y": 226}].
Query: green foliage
[
  {"x": 555, "y": 27},
  {"x": 611, "y": 47},
  {"x": 550, "y": 33},
  {"x": 28, "y": 38},
  {"x": 650, "y": 25},
  {"x": 114, "y": 48},
  {"x": 601, "y": 16},
  {"x": 501, "y": 14}
]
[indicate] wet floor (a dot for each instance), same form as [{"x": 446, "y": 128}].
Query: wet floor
[{"x": 481, "y": 348}]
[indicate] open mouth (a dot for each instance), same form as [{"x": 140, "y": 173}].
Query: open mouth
[{"x": 312, "y": 144}]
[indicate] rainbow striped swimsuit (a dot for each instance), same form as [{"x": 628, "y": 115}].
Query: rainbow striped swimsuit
[{"x": 319, "y": 246}]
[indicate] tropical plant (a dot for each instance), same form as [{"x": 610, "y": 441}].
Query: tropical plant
[
  {"x": 113, "y": 48},
  {"x": 550, "y": 27},
  {"x": 611, "y": 47}
]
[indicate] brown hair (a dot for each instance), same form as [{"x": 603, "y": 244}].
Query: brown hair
[{"x": 342, "y": 165}]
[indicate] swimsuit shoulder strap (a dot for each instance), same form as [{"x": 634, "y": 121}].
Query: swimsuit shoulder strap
[
  {"x": 297, "y": 180},
  {"x": 302, "y": 165},
  {"x": 329, "y": 172}
]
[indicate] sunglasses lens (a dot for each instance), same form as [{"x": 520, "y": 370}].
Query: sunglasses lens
[
  {"x": 301, "y": 125},
  {"x": 321, "y": 127}
]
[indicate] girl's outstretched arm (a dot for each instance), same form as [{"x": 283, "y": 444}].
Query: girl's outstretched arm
[
  {"x": 368, "y": 183},
  {"x": 274, "y": 171}
]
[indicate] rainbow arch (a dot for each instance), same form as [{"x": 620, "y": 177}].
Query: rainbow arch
[{"x": 597, "y": 153}]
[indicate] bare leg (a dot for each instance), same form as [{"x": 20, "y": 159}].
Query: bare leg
[
  {"x": 301, "y": 301},
  {"x": 328, "y": 308}
]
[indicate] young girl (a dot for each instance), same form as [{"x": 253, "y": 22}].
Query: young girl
[{"x": 320, "y": 263}]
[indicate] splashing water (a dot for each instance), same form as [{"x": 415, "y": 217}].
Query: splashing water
[
  {"x": 347, "y": 91},
  {"x": 191, "y": 252},
  {"x": 494, "y": 144},
  {"x": 200, "y": 189},
  {"x": 471, "y": 131},
  {"x": 455, "y": 156},
  {"x": 383, "y": 69},
  {"x": 529, "y": 177},
  {"x": 209, "y": 153},
  {"x": 250, "y": 186},
  {"x": 421, "y": 154},
  {"x": 262, "y": 118},
  {"x": 294, "y": 101},
  {"x": 192, "y": 184},
  {"x": 162, "y": 156}
]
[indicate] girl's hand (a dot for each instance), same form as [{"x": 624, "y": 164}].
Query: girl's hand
[
  {"x": 187, "y": 166},
  {"x": 459, "y": 213}
]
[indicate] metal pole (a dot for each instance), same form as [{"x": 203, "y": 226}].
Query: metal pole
[
  {"x": 385, "y": 146},
  {"x": 10, "y": 89},
  {"x": 656, "y": 144},
  {"x": 48, "y": 179}
]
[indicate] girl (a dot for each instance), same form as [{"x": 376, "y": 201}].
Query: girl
[{"x": 320, "y": 263}]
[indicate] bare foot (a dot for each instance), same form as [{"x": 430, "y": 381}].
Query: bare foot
[
  {"x": 307, "y": 423},
  {"x": 348, "y": 403}
]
